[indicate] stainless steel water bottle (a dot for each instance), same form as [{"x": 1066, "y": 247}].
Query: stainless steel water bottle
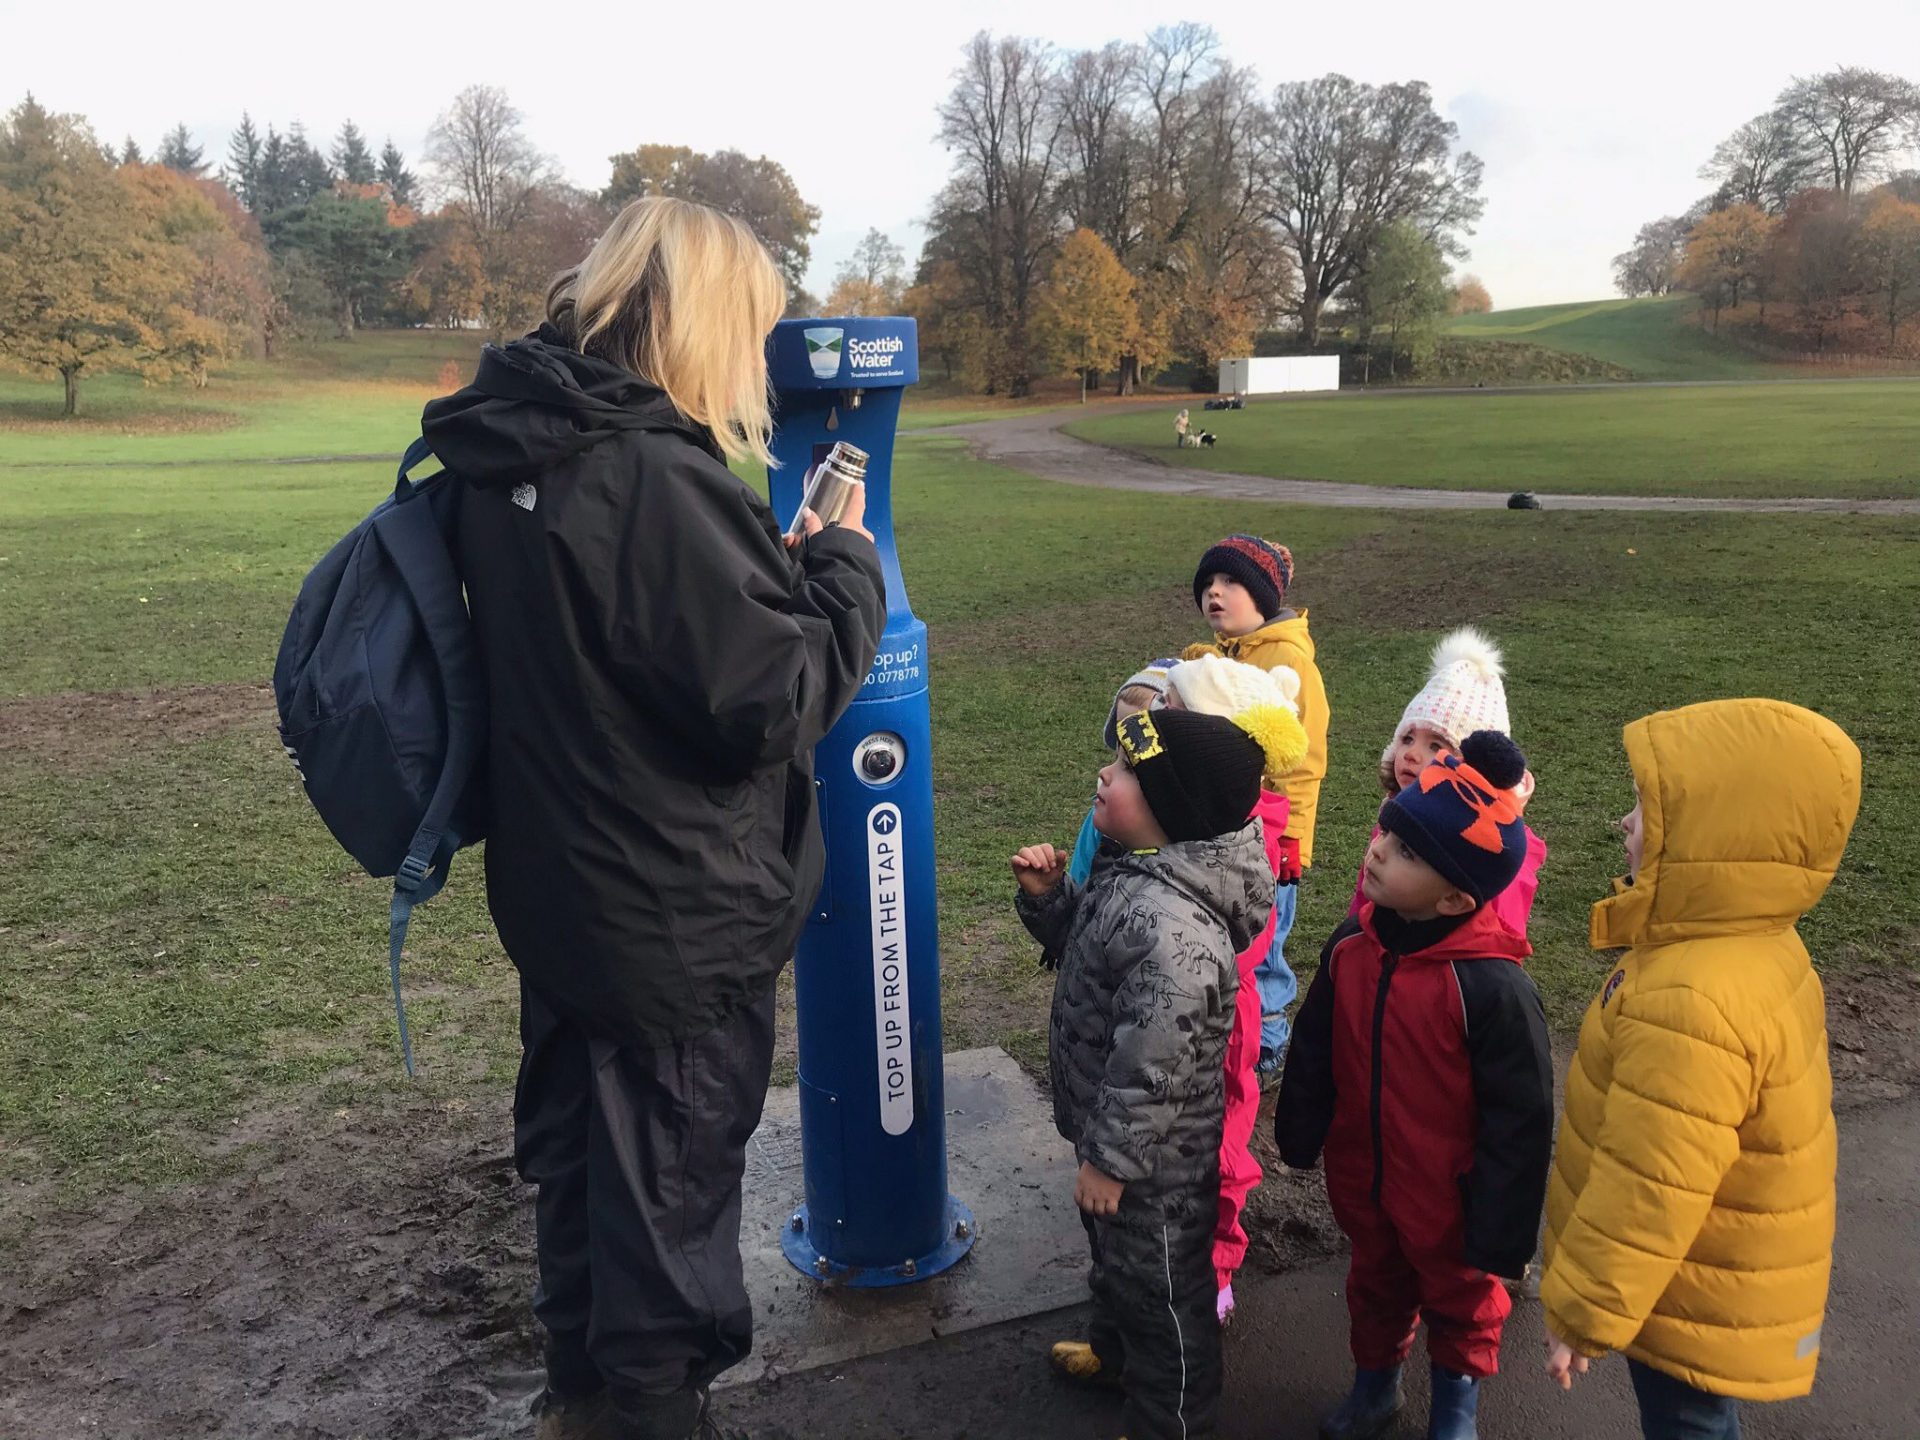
[{"x": 831, "y": 485}]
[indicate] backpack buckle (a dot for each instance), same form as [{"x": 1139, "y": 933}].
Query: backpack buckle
[{"x": 412, "y": 873}]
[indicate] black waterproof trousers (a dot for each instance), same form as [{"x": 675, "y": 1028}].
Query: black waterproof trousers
[
  {"x": 638, "y": 1155},
  {"x": 1155, "y": 1310}
]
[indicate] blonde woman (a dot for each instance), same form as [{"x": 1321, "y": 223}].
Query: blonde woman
[{"x": 660, "y": 665}]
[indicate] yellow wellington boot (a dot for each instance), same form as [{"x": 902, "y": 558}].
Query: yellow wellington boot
[{"x": 1075, "y": 1360}]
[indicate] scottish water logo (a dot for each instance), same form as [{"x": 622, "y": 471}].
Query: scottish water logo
[
  {"x": 878, "y": 358},
  {"x": 823, "y": 350}
]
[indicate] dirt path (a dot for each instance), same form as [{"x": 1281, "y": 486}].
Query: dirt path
[
  {"x": 1287, "y": 1360},
  {"x": 1036, "y": 445},
  {"x": 367, "y": 1273},
  {"x": 1286, "y": 1352}
]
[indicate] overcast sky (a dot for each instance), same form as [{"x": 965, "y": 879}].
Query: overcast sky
[{"x": 1590, "y": 118}]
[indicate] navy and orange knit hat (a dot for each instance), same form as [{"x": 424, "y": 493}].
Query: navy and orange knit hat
[
  {"x": 1461, "y": 817},
  {"x": 1264, "y": 568}
]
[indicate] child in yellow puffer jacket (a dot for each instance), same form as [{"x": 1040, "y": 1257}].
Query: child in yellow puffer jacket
[
  {"x": 1690, "y": 1213},
  {"x": 1241, "y": 587}
]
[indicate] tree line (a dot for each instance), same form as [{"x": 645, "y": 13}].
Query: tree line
[
  {"x": 1150, "y": 203},
  {"x": 1124, "y": 209},
  {"x": 1811, "y": 234},
  {"x": 109, "y": 261}
]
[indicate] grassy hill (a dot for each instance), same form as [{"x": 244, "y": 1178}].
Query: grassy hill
[{"x": 1655, "y": 339}]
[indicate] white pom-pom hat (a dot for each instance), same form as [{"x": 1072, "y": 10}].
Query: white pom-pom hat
[
  {"x": 1264, "y": 703},
  {"x": 1215, "y": 685},
  {"x": 1465, "y": 690}
]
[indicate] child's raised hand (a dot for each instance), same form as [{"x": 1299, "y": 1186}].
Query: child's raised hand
[
  {"x": 1039, "y": 868},
  {"x": 1097, "y": 1192}
]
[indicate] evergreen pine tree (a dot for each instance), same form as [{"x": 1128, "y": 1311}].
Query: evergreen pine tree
[
  {"x": 243, "y": 163},
  {"x": 178, "y": 152},
  {"x": 352, "y": 158},
  {"x": 399, "y": 180}
]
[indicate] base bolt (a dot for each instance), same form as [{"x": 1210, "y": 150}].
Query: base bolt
[
  {"x": 909, "y": 1268},
  {"x": 963, "y": 1230},
  {"x": 820, "y": 1266},
  {"x": 799, "y": 1224}
]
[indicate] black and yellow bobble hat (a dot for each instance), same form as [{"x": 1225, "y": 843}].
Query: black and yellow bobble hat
[{"x": 1200, "y": 774}]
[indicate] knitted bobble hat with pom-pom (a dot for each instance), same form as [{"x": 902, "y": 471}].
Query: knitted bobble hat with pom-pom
[
  {"x": 1261, "y": 702},
  {"x": 1262, "y": 567},
  {"x": 1282, "y": 739},
  {"x": 1465, "y": 690},
  {"x": 1461, "y": 817}
]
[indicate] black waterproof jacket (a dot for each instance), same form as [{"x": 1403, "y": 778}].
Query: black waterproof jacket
[{"x": 660, "y": 668}]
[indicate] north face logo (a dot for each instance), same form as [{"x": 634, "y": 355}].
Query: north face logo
[{"x": 525, "y": 496}]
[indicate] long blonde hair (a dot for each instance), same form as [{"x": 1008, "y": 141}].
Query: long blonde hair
[{"x": 684, "y": 297}]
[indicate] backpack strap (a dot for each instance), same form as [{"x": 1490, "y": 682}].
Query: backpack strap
[
  {"x": 404, "y": 488},
  {"x": 418, "y": 547}
]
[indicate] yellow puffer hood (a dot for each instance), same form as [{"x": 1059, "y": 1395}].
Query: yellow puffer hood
[
  {"x": 1746, "y": 806},
  {"x": 1690, "y": 1214}
]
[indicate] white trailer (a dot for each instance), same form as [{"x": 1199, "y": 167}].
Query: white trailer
[{"x": 1279, "y": 374}]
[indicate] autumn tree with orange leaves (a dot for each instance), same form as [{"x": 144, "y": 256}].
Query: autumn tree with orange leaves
[
  {"x": 1085, "y": 314},
  {"x": 98, "y": 266},
  {"x": 1726, "y": 253}
]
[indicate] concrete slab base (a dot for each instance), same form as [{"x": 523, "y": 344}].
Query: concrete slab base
[{"x": 1004, "y": 1160}]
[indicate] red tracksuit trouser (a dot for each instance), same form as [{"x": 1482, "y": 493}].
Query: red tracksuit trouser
[{"x": 1398, "y": 1278}]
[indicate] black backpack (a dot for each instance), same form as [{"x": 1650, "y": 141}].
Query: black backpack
[{"x": 383, "y": 701}]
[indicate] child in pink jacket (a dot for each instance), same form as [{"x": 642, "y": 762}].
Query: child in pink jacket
[
  {"x": 1464, "y": 692},
  {"x": 1216, "y": 686}
]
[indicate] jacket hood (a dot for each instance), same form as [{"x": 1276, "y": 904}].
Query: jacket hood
[
  {"x": 539, "y": 401},
  {"x": 1746, "y": 806},
  {"x": 1293, "y": 629},
  {"x": 1228, "y": 873}
]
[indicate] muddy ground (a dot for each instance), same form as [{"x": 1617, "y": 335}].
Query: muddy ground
[
  {"x": 366, "y": 1273},
  {"x": 81, "y": 730}
]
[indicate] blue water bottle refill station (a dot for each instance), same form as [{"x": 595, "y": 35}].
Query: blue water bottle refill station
[{"x": 867, "y": 975}]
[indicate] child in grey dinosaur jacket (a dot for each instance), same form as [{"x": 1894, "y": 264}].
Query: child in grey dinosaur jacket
[{"x": 1142, "y": 1008}]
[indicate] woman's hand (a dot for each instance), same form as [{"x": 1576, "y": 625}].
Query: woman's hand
[
  {"x": 809, "y": 525},
  {"x": 1039, "y": 868},
  {"x": 854, "y": 517}
]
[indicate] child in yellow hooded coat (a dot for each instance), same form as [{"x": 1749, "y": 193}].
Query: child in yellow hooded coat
[{"x": 1690, "y": 1214}]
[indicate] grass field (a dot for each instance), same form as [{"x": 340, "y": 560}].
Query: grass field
[
  {"x": 184, "y": 947},
  {"x": 1858, "y": 438},
  {"x": 325, "y": 398},
  {"x": 1653, "y": 339}
]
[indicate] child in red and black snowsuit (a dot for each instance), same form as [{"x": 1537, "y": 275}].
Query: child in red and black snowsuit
[{"x": 1420, "y": 1062}]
